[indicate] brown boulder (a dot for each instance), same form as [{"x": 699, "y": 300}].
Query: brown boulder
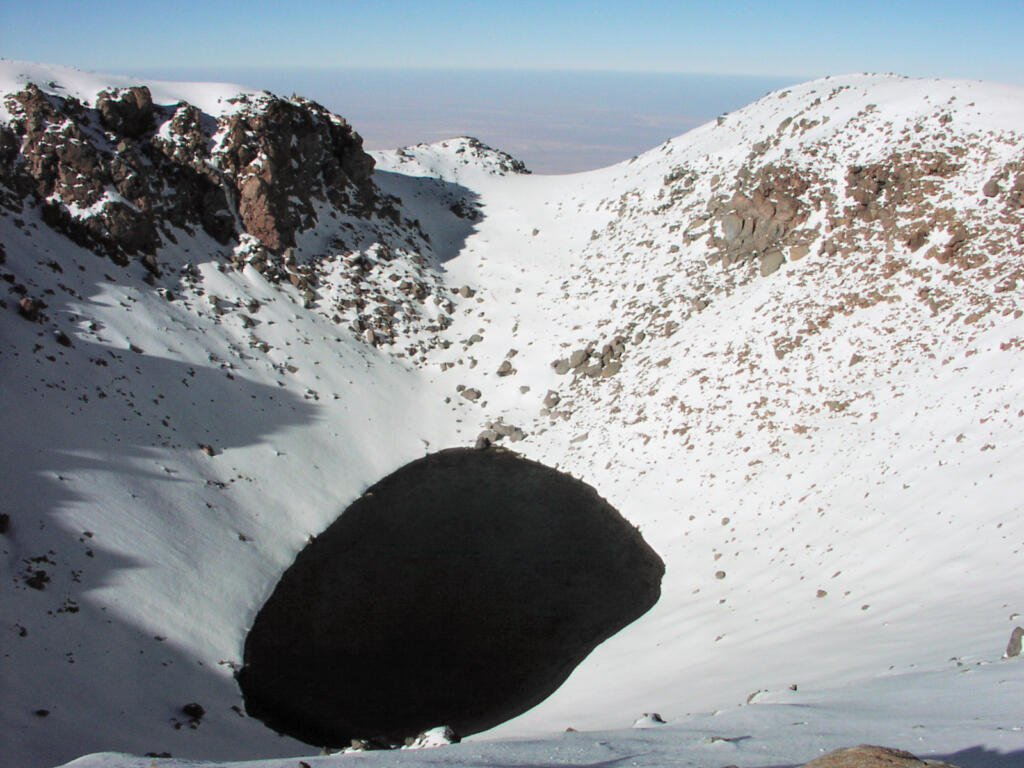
[
  {"x": 771, "y": 260},
  {"x": 870, "y": 756},
  {"x": 991, "y": 188},
  {"x": 1013, "y": 647}
]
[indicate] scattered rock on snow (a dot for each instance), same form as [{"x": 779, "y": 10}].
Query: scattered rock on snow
[
  {"x": 649, "y": 720},
  {"x": 486, "y": 439}
]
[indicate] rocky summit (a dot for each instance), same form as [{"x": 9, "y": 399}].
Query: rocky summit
[
  {"x": 787, "y": 346},
  {"x": 121, "y": 175}
]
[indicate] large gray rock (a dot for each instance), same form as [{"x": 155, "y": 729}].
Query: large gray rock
[
  {"x": 461, "y": 589},
  {"x": 771, "y": 260},
  {"x": 578, "y": 358}
]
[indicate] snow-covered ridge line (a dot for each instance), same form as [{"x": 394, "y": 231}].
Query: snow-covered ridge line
[{"x": 212, "y": 98}]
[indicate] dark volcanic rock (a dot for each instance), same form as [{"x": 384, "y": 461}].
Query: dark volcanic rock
[
  {"x": 462, "y": 589},
  {"x": 126, "y": 111},
  {"x": 127, "y": 191}
]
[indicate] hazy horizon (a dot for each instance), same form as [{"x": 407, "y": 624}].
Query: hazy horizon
[
  {"x": 564, "y": 86},
  {"x": 554, "y": 121}
]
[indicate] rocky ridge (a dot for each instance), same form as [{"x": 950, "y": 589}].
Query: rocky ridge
[
  {"x": 136, "y": 181},
  {"x": 927, "y": 214},
  {"x": 122, "y": 175}
]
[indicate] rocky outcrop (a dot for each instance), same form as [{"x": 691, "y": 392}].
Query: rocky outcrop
[
  {"x": 124, "y": 177},
  {"x": 591, "y": 361},
  {"x": 126, "y": 112},
  {"x": 902, "y": 179},
  {"x": 285, "y": 156},
  {"x": 462, "y": 589},
  {"x": 764, "y": 216}
]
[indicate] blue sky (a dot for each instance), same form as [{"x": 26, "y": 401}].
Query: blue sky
[
  {"x": 564, "y": 85},
  {"x": 779, "y": 38}
]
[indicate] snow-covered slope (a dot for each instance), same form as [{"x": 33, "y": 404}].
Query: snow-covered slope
[{"x": 797, "y": 336}]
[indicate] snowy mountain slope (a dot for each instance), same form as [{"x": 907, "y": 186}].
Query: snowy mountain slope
[
  {"x": 812, "y": 454},
  {"x": 798, "y": 351}
]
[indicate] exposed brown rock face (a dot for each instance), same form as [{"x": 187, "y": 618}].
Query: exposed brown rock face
[
  {"x": 765, "y": 216},
  {"x": 460, "y": 590},
  {"x": 284, "y": 156},
  {"x": 902, "y": 179},
  {"x": 126, "y": 111},
  {"x": 121, "y": 178},
  {"x": 869, "y": 756}
]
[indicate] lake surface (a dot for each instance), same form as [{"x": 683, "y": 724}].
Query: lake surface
[{"x": 554, "y": 121}]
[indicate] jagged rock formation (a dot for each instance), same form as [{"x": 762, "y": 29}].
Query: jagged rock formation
[
  {"x": 124, "y": 176},
  {"x": 134, "y": 180},
  {"x": 462, "y": 589},
  {"x": 283, "y": 158}
]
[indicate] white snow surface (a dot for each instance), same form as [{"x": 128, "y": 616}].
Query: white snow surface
[
  {"x": 84, "y": 85},
  {"x": 867, "y": 517}
]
